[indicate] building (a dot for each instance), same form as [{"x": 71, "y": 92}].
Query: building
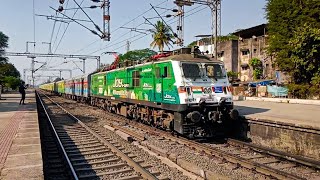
[
  {"x": 227, "y": 51},
  {"x": 236, "y": 54},
  {"x": 252, "y": 43}
]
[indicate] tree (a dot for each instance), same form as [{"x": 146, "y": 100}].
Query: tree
[
  {"x": 162, "y": 36},
  {"x": 306, "y": 55},
  {"x": 3, "y": 44},
  {"x": 12, "y": 82},
  {"x": 256, "y": 65},
  {"x": 294, "y": 42},
  {"x": 285, "y": 17},
  {"x": 8, "y": 69},
  {"x": 137, "y": 55},
  {"x": 232, "y": 75}
]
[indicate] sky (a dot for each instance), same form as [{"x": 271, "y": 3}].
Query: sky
[{"x": 19, "y": 21}]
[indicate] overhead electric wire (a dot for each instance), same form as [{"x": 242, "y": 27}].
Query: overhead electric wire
[
  {"x": 65, "y": 30},
  {"x": 124, "y": 35},
  {"x": 97, "y": 27},
  {"x": 55, "y": 40},
  {"x": 150, "y": 32},
  {"x": 121, "y": 26},
  {"x": 74, "y": 21},
  {"x": 168, "y": 22}
]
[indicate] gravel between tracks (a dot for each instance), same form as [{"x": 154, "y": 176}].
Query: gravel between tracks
[
  {"x": 88, "y": 115},
  {"x": 97, "y": 117}
]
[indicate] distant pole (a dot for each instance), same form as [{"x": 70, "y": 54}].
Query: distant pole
[
  {"x": 216, "y": 31},
  {"x": 98, "y": 62},
  {"x": 84, "y": 66},
  {"x": 128, "y": 46},
  {"x": 0, "y": 90},
  {"x": 32, "y": 70}
]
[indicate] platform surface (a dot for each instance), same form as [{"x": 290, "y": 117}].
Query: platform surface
[
  {"x": 298, "y": 114},
  {"x": 20, "y": 147}
]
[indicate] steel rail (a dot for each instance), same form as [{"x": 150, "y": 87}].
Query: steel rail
[
  {"x": 294, "y": 158},
  {"x": 137, "y": 167},
  {"x": 261, "y": 168},
  {"x": 312, "y": 130},
  {"x": 73, "y": 172}
]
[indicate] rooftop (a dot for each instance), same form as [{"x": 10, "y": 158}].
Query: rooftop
[{"x": 259, "y": 30}]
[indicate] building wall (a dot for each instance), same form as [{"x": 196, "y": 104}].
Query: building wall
[
  {"x": 236, "y": 55},
  {"x": 227, "y": 52},
  {"x": 254, "y": 47}
]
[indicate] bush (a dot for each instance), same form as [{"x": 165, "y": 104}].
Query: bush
[
  {"x": 256, "y": 65},
  {"x": 304, "y": 91}
]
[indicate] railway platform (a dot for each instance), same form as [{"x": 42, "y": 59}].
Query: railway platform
[
  {"x": 301, "y": 115},
  {"x": 20, "y": 146}
]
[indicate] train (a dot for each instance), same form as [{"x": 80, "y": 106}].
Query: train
[{"x": 185, "y": 93}]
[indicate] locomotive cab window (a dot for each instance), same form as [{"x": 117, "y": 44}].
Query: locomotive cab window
[
  {"x": 136, "y": 78},
  {"x": 157, "y": 72},
  {"x": 166, "y": 72},
  {"x": 191, "y": 70},
  {"x": 215, "y": 71}
]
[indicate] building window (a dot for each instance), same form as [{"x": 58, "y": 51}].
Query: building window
[
  {"x": 221, "y": 54},
  {"x": 245, "y": 52},
  {"x": 136, "y": 78},
  {"x": 255, "y": 51},
  {"x": 244, "y": 68}
]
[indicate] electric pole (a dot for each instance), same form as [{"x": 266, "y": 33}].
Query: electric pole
[
  {"x": 215, "y": 7},
  {"x": 180, "y": 26},
  {"x": 128, "y": 46},
  {"x": 106, "y": 19}
]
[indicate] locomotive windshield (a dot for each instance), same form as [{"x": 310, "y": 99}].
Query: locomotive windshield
[
  {"x": 215, "y": 71},
  {"x": 191, "y": 70}
]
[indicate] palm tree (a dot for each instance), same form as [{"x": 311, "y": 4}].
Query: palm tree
[{"x": 161, "y": 36}]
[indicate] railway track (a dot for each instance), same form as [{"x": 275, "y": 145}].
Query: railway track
[
  {"x": 265, "y": 161},
  {"x": 90, "y": 155},
  {"x": 269, "y": 162}
]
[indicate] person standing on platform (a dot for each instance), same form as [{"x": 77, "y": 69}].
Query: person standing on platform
[{"x": 22, "y": 92}]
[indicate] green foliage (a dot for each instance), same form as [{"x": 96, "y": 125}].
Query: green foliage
[
  {"x": 194, "y": 43},
  {"x": 295, "y": 42},
  {"x": 9, "y": 75},
  {"x": 3, "y": 42},
  {"x": 305, "y": 55},
  {"x": 162, "y": 36},
  {"x": 232, "y": 74},
  {"x": 256, "y": 65},
  {"x": 12, "y": 82},
  {"x": 137, "y": 55},
  {"x": 8, "y": 69}
]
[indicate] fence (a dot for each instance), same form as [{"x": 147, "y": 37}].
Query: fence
[{"x": 261, "y": 91}]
